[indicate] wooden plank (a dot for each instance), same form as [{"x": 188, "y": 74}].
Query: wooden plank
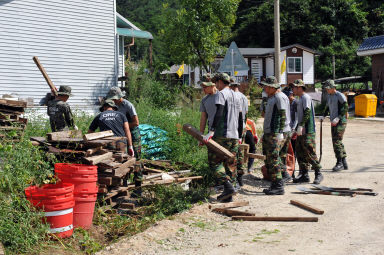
[
  {"x": 245, "y": 149},
  {"x": 104, "y": 141},
  {"x": 152, "y": 170},
  {"x": 45, "y": 75},
  {"x": 183, "y": 179},
  {"x": 13, "y": 103},
  {"x": 124, "y": 168},
  {"x": 231, "y": 212},
  {"x": 214, "y": 146},
  {"x": 98, "y": 158},
  {"x": 127, "y": 206},
  {"x": 92, "y": 151},
  {"x": 102, "y": 190},
  {"x": 307, "y": 207},
  {"x": 258, "y": 218},
  {"x": 229, "y": 205},
  {"x": 256, "y": 156},
  {"x": 10, "y": 128},
  {"x": 58, "y": 136},
  {"x": 110, "y": 181},
  {"x": 97, "y": 135}
]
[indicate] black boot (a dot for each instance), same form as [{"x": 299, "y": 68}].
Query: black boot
[
  {"x": 137, "y": 192},
  {"x": 339, "y": 166},
  {"x": 250, "y": 165},
  {"x": 302, "y": 177},
  {"x": 228, "y": 192},
  {"x": 277, "y": 188},
  {"x": 318, "y": 177},
  {"x": 240, "y": 180},
  {"x": 286, "y": 176},
  {"x": 344, "y": 161}
]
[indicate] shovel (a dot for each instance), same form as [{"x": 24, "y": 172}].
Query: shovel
[{"x": 321, "y": 139}]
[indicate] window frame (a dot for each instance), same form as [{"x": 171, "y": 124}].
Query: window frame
[{"x": 301, "y": 67}]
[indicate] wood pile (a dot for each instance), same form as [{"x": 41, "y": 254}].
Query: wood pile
[
  {"x": 114, "y": 167},
  {"x": 12, "y": 125}
]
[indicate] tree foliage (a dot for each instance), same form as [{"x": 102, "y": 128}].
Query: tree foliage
[{"x": 194, "y": 32}]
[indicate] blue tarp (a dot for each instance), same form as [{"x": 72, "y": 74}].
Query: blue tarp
[{"x": 153, "y": 141}]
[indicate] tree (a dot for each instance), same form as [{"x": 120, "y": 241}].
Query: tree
[{"x": 194, "y": 31}]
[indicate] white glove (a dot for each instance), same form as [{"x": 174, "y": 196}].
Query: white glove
[
  {"x": 321, "y": 118},
  {"x": 208, "y": 136},
  {"x": 131, "y": 152},
  {"x": 299, "y": 131},
  {"x": 75, "y": 128},
  {"x": 335, "y": 121},
  {"x": 280, "y": 137}
]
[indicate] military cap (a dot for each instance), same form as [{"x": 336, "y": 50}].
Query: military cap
[
  {"x": 207, "y": 83},
  {"x": 64, "y": 91},
  {"x": 298, "y": 83},
  {"x": 222, "y": 76},
  {"x": 271, "y": 81},
  {"x": 108, "y": 102},
  {"x": 329, "y": 84},
  {"x": 115, "y": 93},
  {"x": 206, "y": 77}
]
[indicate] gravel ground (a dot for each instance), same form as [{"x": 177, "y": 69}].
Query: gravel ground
[{"x": 350, "y": 225}]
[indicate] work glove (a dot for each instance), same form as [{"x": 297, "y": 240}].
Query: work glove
[
  {"x": 321, "y": 118},
  {"x": 294, "y": 136},
  {"x": 201, "y": 144},
  {"x": 208, "y": 136},
  {"x": 300, "y": 130},
  {"x": 131, "y": 152},
  {"x": 256, "y": 139},
  {"x": 280, "y": 137},
  {"x": 75, "y": 128},
  {"x": 335, "y": 121}
]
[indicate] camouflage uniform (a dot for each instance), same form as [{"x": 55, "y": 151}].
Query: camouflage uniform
[
  {"x": 271, "y": 148},
  {"x": 59, "y": 112},
  {"x": 337, "y": 138},
  {"x": 284, "y": 150},
  {"x": 306, "y": 152}
]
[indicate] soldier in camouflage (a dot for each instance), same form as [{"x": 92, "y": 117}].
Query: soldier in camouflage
[
  {"x": 306, "y": 136},
  {"x": 337, "y": 106},
  {"x": 59, "y": 111}
]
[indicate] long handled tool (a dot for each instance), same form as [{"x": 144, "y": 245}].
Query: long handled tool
[
  {"x": 45, "y": 75},
  {"x": 324, "y": 188},
  {"x": 321, "y": 139},
  {"x": 322, "y": 192}
]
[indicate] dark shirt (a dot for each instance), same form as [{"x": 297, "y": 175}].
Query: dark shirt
[
  {"x": 110, "y": 120},
  {"x": 60, "y": 115}
]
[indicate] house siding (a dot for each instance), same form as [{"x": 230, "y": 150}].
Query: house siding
[
  {"x": 74, "y": 40},
  {"x": 378, "y": 74},
  {"x": 308, "y": 68}
]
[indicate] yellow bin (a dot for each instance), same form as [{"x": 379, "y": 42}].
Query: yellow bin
[{"x": 365, "y": 105}]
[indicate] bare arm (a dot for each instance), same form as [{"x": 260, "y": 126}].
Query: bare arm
[
  {"x": 203, "y": 121},
  {"x": 128, "y": 133},
  {"x": 135, "y": 122}
]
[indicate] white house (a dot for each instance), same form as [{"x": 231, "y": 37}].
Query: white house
[{"x": 79, "y": 42}]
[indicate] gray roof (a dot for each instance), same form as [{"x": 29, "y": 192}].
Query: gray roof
[
  {"x": 271, "y": 51},
  {"x": 372, "y": 43}
]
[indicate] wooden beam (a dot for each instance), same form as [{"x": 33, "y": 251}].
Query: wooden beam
[
  {"x": 64, "y": 135},
  {"x": 97, "y": 135},
  {"x": 231, "y": 212},
  {"x": 124, "y": 168},
  {"x": 229, "y": 205},
  {"x": 93, "y": 151},
  {"x": 45, "y": 75},
  {"x": 256, "y": 156},
  {"x": 127, "y": 206},
  {"x": 97, "y": 159},
  {"x": 6, "y": 102},
  {"x": 307, "y": 207},
  {"x": 257, "y": 218},
  {"x": 214, "y": 146}
]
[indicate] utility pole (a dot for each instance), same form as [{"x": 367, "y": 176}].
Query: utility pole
[
  {"x": 333, "y": 67},
  {"x": 277, "y": 40}
]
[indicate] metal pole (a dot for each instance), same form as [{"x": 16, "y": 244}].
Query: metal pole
[
  {"x": 277, "y": 40},
  {"x": 233, "y": 68},
  {"x": 333, "y": 67}
]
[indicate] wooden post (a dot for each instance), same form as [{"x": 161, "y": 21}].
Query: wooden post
[
  {"x": 307, "y": 207},
  {"x": 262, "y": 218},
  {"x": 277, "y": 39}
]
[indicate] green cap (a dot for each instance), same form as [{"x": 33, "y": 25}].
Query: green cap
[
  {"x": 207, "y": 83},
  {"x": 298, "y": 83},
  {"x": 108, "y": 102},
  {"x": 329, "y": 84},
  {"x": 222, "y": 76},
  {"x": 271, "y": 81},
  {"x": 206, "y": 77},
  {"x": 115, "y": 93},
  {"x": 64, "y": 91}
]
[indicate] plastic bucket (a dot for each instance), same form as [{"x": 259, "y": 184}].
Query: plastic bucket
[
  {"x": 84, "y": 209},
  {"x": 57, "y": 201},
  {"x": 84, "y": 177}
]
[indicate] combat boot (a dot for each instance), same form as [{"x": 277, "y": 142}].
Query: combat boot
[
  {"x": 240, "y": 180},
  {"x": 137, "y": 192},
  {"x": 286, "y": 176},
  {"x": 339, "y": 166},
  {"x": 277, "y": 188},
  {"x": 344, "y": 161},
  {"x": 228, "y": 192},
  {"x": 302, "y": 177},
  {"x": 318, "y": 177}
]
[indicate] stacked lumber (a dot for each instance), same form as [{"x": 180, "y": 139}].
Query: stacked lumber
[{"x": 12, "y": 125}]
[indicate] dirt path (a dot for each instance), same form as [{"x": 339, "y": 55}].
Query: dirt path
[{"x": 349, "y": 225}]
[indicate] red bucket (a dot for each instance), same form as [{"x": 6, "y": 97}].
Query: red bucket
[
  {"x": 84, "y": 177},
  {"x": 57, "y": 201},
  {"x": 84, "y": 209}
]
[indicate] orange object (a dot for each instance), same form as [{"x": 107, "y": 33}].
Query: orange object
[
  {"x": 365, "y": 105},
  {"x": 290, "y": 163}
]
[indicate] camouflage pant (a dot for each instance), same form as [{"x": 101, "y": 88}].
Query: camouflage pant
[
  {"x": 337, "y": 139},
  {"x": 271, "y": 150},
  {"x": 284, "y": 150},
  {"x": 306, "y": 152},
  {"x": 136, "y": 143},
  {"x": 240, "y": 158},
  {"x": 223, "y": 169}
]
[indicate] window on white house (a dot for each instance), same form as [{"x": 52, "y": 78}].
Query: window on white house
[{"x": 295, "y": 65}]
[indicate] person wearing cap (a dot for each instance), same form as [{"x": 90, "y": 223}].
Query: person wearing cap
[
  {"x": 59, "y": 111},
  {"x": 111, "y": 119},
  {"x": 127, "y": 108},
  {"x": 225, "y": 130},
  {"x": 207, "y": 105},
  {"x": 276, "y": 134},
  {"x": 337, "y": 106},
  {"x": 306, "y": 136},
  {"x": 234, "y": 85}
]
